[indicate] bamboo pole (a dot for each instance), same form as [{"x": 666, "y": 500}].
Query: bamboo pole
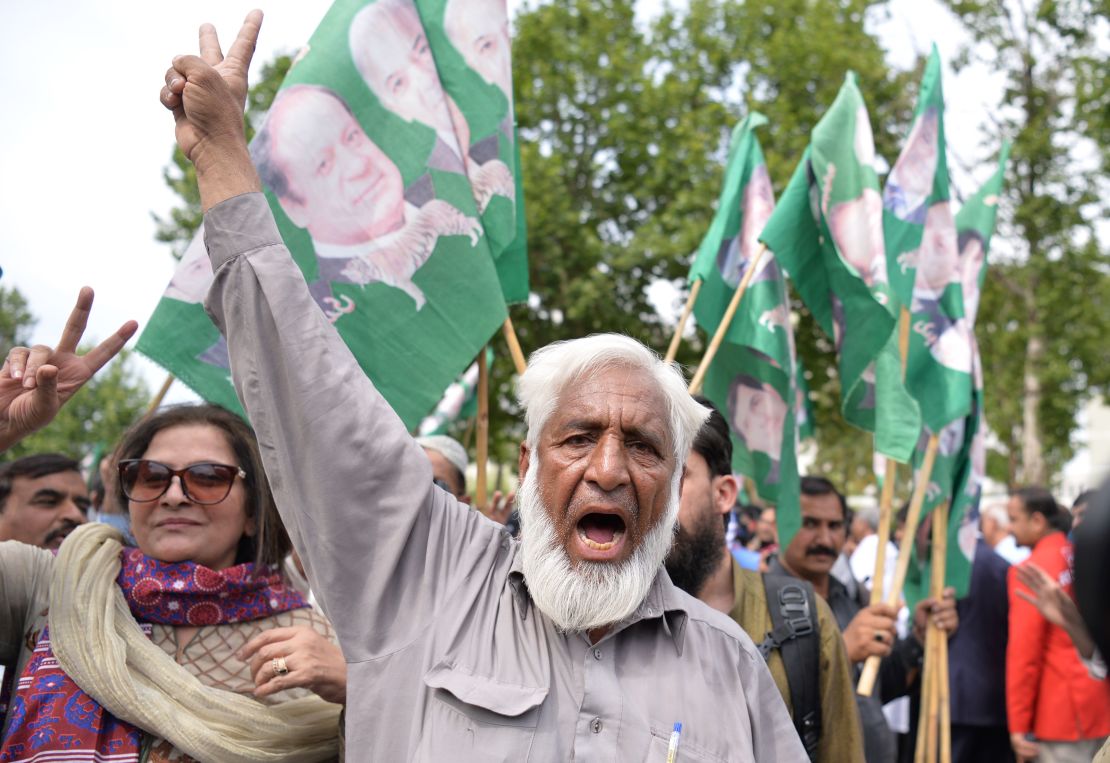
[
  {"x": 931, "y": 729},
  {"x": 886, "y": 516},
  {"x": 940, "y": 565},
  {"x": 483, "y": 431},
  {"x": 935, "y": 638},
  {"x": 514, "y": 345},
  {"x": 161, "y": 395},
  {"x": 893, "y": 597},
  {"x": 468, "y": 433},
  {"x": 945, "y": 701},
  {"x": 753, "y": 493},
  {"x": 686, "y": 310},
  {"x": 722, "y": 329},
  {"x": 928, "y": 689}
]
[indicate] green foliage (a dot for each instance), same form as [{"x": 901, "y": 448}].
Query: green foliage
[
  {"x": 100, "y": 411},
  {"x": 624, "y": 130},
  {"x": 1043, "y": 320},
  {"x": 16, "y": 320}
]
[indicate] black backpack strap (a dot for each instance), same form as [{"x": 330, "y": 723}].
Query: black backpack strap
[{"x": 792, "y": 605}]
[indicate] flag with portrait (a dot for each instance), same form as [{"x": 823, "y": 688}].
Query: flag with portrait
[
  {"x": 752, "y": 377},
  {"x": 962, "y": 455},
  {"x": 388, "y": 157},
  {"x": 827, "y": 233}
]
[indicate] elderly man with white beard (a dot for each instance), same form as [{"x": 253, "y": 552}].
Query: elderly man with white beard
[{"x": 462, "y": 643}]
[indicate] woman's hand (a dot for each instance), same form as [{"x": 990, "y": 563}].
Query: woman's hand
[{"x": 312, "y": 662}]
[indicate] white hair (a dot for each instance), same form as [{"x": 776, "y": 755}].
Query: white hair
[
  {"x": 997, "y": 512},
  {"x": 583, "y": 595},
  {"x": 587, "y": 595},
  {"x": 553, "y": 368}
]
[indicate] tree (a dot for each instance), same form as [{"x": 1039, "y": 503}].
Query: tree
[
  {"x": 97, "y": 415},
  {"x": 1043, "y": 320},
  {"x": 16, "y": 321},
  {"x": 624, "y": 134}
]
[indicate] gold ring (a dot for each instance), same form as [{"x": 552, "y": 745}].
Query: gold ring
[{"x": 280, "y": 668}]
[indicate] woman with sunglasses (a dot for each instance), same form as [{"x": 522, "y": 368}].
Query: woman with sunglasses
[{"x": 135, "y": 652}]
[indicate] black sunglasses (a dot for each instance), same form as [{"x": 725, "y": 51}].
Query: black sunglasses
[{"x": 143, "y": 481}]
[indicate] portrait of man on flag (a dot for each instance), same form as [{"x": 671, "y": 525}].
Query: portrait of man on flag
[
  {"x": 334, "y": 181},
  {"x": 757, "y": 417},
  {"x": 738, "y": 251}
]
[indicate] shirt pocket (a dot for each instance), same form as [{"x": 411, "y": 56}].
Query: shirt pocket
[
  {"x": 687, "y": 750},
  {"x": 480, "y": 718}
]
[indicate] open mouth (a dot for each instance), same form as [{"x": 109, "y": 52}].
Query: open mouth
[{"x": 603, "y": 534}]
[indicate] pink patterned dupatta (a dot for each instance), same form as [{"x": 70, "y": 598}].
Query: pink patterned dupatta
[{"x": 52, "y": 719}]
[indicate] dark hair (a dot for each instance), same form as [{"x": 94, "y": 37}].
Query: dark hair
[
  {"x": 262, "y": 146},
  {"x": 1082, "y": 498},
  {"x": 816, "y": 485},
  {"x": 712, "y": 442},
  {"x": 270, "y": 544},
  {"x": 967, "y": 235},
  {"x": 1038, "y": 500},
  {"x": 33, "y": 467}
]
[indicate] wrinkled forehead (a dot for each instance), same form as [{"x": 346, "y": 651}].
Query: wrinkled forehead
[{"x": 613, "y": 397}]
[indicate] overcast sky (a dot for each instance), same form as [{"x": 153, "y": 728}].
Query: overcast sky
[{"x": 84, "y": 140}]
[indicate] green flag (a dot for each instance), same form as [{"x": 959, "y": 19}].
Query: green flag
[
  {"x": 752, "y": 378},
  {"x": 469, "y": 42},
  {"x": 744, "y": 206},
  {"x": 961, "y": 457},
  {"x": 373, "y": 172},
  {"x": 923, "y": 262},
  {"x": 827, "y": 233}
]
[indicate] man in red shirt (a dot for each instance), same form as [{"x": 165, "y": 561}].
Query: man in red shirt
[{"x": 1050, "y": 697}]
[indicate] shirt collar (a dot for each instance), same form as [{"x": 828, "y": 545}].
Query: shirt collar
[{"x": 663, "y": 601}]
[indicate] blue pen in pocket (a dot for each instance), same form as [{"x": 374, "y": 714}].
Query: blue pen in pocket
[{"x": 672, "y": 748}]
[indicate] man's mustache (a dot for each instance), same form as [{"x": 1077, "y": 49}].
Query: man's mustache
[
  {"x": 820, "y": 551},
  {"x": 60, "y": 532}
]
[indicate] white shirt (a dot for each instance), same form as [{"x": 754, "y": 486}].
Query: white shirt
[{"x": 1009, "y": 550}]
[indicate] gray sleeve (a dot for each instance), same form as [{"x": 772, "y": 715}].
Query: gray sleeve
[
  {"x": 382, "y": 547},
  {"x": 24, "y": 587}
]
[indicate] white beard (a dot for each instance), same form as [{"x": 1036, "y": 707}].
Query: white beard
[{"x": 588, "y": 595}]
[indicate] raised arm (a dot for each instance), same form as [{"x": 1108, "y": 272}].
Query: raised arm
[
  {"x": 35, "y": 382},
  {"x": 381, "y": 546}
]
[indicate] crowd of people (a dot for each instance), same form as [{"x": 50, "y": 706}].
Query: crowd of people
[{"x": 318, "y": 587}]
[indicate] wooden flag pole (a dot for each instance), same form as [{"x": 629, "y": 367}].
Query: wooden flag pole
[
  {"x": 722, "y": 329},
  {"x": 886, "y": 515},
  {"x": 928, "y": 689},
  {"x": 483, "y": 431},
  {"x": 686, "y": 310},
  {"x": 753, "y": 493},
  {"x": 936, "y": 637},
  {"x": 940, "y": 566},
  {"x": 514, "y": 345},
  {"x": 158, "y": 398},
  {"x": 893, "y": 597}
]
